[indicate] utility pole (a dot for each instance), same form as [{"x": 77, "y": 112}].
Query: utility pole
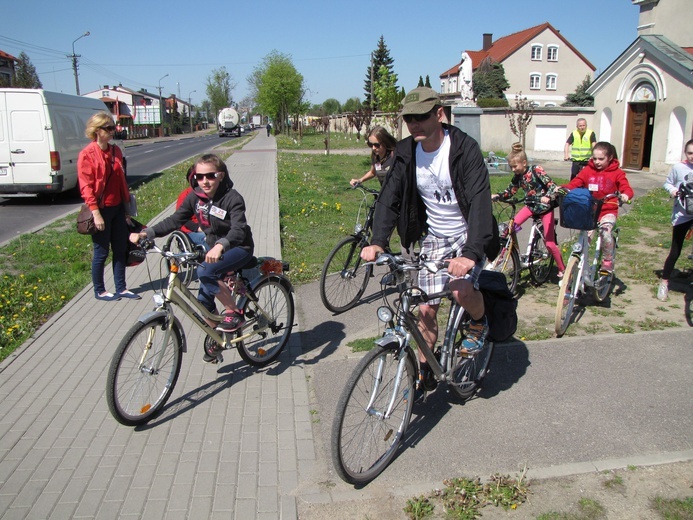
[
  {"x": 190, "y": 108},
  {"x": 74, "y": 61},
  {"x": 372, "y": 100},
  {"x": 161, "y": 117}
]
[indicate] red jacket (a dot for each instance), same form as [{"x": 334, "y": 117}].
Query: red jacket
[
  {"x": 192, "y": 224},
  {"x": 603, "y": 183},
  {"x": 91, "y": 172}
]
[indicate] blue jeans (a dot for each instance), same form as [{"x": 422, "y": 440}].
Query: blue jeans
[
  {"x": 210, "y": 274},
  {"x": 198, "y": 239},
  {"x": 115, "y": 236}
]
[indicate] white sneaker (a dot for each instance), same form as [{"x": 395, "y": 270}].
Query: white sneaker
[{"x": 663, "y": 292}]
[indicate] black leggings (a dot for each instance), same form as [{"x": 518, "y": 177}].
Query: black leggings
[{"x": 678, "y": 235}]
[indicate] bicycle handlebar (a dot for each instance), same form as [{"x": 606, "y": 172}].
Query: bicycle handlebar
[
  {"x": 187, "y": 256},
  {"x": 399, "y": 263},
  {"x": 360, "y": 186}
]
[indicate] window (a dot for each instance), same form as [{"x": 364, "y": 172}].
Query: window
[
  {"x": 535, "y": 81},
  {"x": 105, "y": 93},
  {"x": 453, "y": 85},
  {"x": 442, "y": 87},
  {"x": 551, "y": 81},
  {"x": 552, "y": 53},
  {"x": 536, "y": 52}
]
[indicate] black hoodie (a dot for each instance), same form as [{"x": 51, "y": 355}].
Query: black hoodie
[{"x": 222, "y": 219}]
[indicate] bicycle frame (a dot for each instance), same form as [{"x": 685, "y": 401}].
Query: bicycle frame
[{"x": 581, "y": 251}]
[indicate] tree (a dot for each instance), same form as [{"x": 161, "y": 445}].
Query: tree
[
  {"x": 219, "y": 87},
  {"x": 331, "y": 106},
  {"x": 580, "y": 98},
  {"x": 428, "y": 82},
  {"x": 25, "y": 75},
  {"x": 420, "y": 83},
  {"x": 387, "y": 95},
  {"x": 379, "y": 58},
  {"x": 352, "y": 105},
  {"x": 360, "y": 118},
  {"x": 520, "y": 117},
  {"x": 278, "y": 88},
  {"x": 489, "y": 80}
]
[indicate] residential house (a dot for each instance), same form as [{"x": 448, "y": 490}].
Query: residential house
[
  {"x": 7, "y": 62},
  {"x": 644, "y": 99},
  {"x": 139, "y": 113},
  {"x": 539, "y": 62}
]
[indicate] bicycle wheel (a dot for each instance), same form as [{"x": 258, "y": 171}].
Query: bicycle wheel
[
  {"x": 508, "y": 263},
  {"x": 344, "y": 278},
  {"x": 178, "y": 242},
  {"x": 603, "y": 281},
  {"x": 144, "y": 371},
  {"x": 567, "y": 293},
  {"x": 364, "y": 440},
  {"x": 540, "y": 260},
  {"x": 272, "y": 318},
  {"x": 469, "y": 371},
  {"x": 688, "y": 307}
]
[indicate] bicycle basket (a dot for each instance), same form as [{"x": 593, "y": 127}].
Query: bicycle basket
[{"x": 579, "y": 210}]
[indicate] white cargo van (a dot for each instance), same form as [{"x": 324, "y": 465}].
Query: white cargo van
[{"x": 41, "y": 135}]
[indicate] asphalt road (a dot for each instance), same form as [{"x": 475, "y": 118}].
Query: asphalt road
[{"x": 23, "y": 214}]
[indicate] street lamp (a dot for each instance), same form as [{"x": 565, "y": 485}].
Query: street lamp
[
  {"x": 161, "y": 117},
  {"x": 74, "y": 61},
  {"x": 190, "y": 108}
]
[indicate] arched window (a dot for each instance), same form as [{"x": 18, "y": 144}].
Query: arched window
[
  {"x": 536, "y": 51},
  {"x": 535, "y": 81},
  {"x": 551, "y": 80},
  {"x": 552, "y": 53}
]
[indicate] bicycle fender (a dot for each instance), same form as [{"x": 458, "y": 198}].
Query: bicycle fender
[
  {"x": 390, "y": 342},
  {"x": 154, "y": 315}
]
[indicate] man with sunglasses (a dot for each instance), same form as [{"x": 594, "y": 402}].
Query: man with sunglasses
[
  {"x": 220, "y": 212},
  {"x": 438, "y": 192}
]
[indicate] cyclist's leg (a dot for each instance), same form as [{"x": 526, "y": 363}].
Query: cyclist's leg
[
  {"x": 210, "y": 275},
  {"x": 522, "y": 216},
  {"x": 550, "y": 236},
  {"x": 198, "y": 239},
  {"x": 606, "y": 225}
]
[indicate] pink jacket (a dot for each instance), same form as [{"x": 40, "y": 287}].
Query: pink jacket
[{"x": 603, "y": 183}]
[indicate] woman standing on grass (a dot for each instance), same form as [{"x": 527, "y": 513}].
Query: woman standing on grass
[
  {"x": 102, "y": 186},
  {"x": 680, "y": 173}
]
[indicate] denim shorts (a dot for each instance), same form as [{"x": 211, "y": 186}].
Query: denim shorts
[{"x": 437, "y": 248}]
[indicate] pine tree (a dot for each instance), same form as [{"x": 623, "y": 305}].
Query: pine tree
[
  {"x": 421, "y": 83},
  {"x": 580, "y": 98},
  {"x": 25, "y": 75},
  {"x": 489, "y": 80},
  {"x": 428, "y": 82},
  {"x": 380, "y": 57}
]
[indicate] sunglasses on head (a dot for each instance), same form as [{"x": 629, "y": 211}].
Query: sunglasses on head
[
  {"x": 417, "y": 117},
  {"x": 373, "y": 145},
  {"x": 109, "y": 128},
  {"x": 208, "y": 176}
]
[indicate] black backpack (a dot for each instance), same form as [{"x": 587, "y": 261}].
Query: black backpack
[{"x": 501, "y": 307}]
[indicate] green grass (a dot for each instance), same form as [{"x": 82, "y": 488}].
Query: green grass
[
  {"x": 316, "y": 141},
  {"x": 673, "y": 508}
]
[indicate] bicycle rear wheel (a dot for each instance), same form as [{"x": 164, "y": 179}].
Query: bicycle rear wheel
[
  {"x": 178, "y": 242},
  {"x": 364, "y": 440},
  {"x": 540, "y": 260},
  {"x": 141, "y": 377},
  {"x": 272, "y": 318},
  {"x": 567, "y": 293},
  {"x": 344, "y": 278},
  {"x": 469, "y": 370},
  {"x": 688, "y": 307},
  {"x": 508, "y": 263}
]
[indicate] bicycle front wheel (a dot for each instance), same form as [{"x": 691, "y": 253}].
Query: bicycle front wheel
[
  {"x": 508, "y": 263},
  {"x": 567, "y": 293},
  {"x": 269, "y": 317},
  {"x": 144, "y": 371},
  {"x": 469, "y": 370},
  {"x": 603, "y": 281},
  {"x": 540, "y": 260},
  {"x": 364, "y": 436},
  {"x": 178, "y": 242},
  {"x": 344, "y": 278}
]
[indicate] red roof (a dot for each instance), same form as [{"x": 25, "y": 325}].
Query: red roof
[
  {"x": 689, "y": 50},
  {"x": 507, "y": 45},
  {"x": 7, "y": 56}
]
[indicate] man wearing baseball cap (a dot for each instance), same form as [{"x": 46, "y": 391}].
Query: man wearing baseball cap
[{"x": 438, "y": 191}]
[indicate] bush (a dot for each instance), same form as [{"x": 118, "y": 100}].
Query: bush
[{"x": 491, "y": 102}]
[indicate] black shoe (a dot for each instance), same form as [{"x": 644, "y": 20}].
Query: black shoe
[
  {"x": 426, "y": 379},
  {"x": 212, "y": 351}
]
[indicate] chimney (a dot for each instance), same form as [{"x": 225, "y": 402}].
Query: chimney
[{"x": 488, "y": 41}]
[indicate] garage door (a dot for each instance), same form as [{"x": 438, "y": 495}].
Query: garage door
[{"x": 550, "y": 137}]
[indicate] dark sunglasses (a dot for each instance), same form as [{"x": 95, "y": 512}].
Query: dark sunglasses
[
  {"x": 208, "y": 176},
  {"x": 417, "y": 117},
  {"x": 109, "y": 128},
  {"x": 373, "y": 145}
]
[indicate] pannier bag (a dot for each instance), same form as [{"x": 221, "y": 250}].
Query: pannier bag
[
  {"x": 686, "y": 197},
  {"x": 501, "y": 307},
  {"x": 579, "y": 210}
]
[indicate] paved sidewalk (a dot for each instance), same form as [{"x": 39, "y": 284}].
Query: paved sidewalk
[{"x": 231, "y": 443}]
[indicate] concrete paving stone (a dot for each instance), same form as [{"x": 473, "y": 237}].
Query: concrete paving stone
[
  {"x": 29, "y": 494},
  {"x": 286, "y": 440},
  {"x": 63, "y": 510},
  {"x": 191, "y": 447},
  {"x": 86, "y": 467},
  {"x": 102, "y": 477},
  {"x": 144, "y": 476},
  {"x": 251, "y": 425},
  {"x": 15, "y": 513},
  {"x": 128, "y": 467},
  {"x": 14, "y": 483},
  {"x": 155, "y": 509},
  {"x": 248, "y": 462},
  {"x": 227, "y": 474},
  {"x": 185, "y": 473},
  {"x": 247, "y": 487},
  {"x": 179, "y": 514},
  {"x": 230, "y": 453},
  {"x": 245, "y": 508},
  {"x": 268, "y": 499},
  {"x": 201, "y": 506},
  {"x": 43, "y": 505},
  {"x": 204, "y": 484},
  {"x": 72, "y": 458},
  {"x": 89, "y": 504},
  {"x": 134, "y": 503},
  {"x": 268, "y": 474},
  {"x": 209, "y": 459},
  {"x": 224, "y": 498},
  {"x": 305, "y": 449},
  {"x": 289, "y": 511},
  {"x": 267, "y": 433},
  {"x": 161, "y": 487},
  {"x": 174, "y": 443},
  {"x": 268, "y": 451},
  {"x": 287, "y": 460},
  {"x": 22, "y": 451},
  {"x": 250, "y": 442},
  {"x": 45, "y": 469},
  {"x": 215, "y": 423},
  {"x": 98, "y": 445},
  {"x": 117, "y": 489},
  {"x": 179, "y": 498}
]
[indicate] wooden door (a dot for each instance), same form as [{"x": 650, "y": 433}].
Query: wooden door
[{"x": 636, "y": 127}]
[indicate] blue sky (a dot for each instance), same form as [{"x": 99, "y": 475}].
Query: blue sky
[{"x": 136, "y": 43}]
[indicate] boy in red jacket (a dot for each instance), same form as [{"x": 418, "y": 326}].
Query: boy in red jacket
[{"x": 602, "y": 176}]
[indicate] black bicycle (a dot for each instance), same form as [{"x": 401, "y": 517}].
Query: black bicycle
[{"x": 344, "y": 275}]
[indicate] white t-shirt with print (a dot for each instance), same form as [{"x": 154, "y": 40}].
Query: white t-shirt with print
[{"x": 444, "y": 217}]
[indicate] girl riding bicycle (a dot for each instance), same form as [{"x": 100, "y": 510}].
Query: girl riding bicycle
[
  {"x": 382, "y": 145},
  {"x": 536, "y": 183},
  {"x": 602, "y": 176},
  {"x": 220, "y": 211}
]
